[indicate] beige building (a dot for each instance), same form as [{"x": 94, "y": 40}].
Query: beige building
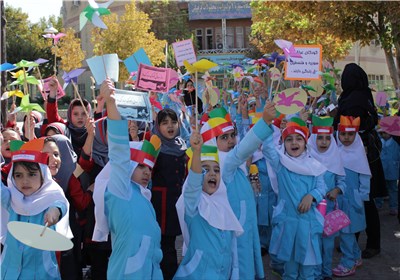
[{"x": 210, "y": 33}]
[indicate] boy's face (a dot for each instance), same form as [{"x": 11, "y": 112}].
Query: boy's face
[
  {"x": 323, "y": 142},
  {"x": 169, "y": 128},
  {"x": 8, "y": 135},
  {"x": 385, "y": 135},
  {"x": 295, "y": 144},
  {"x": 142, "y": 175},
  {"x": 347, "y": 137},
  {"x": 212, "y": 176},
  {"x": 27, "y": 181},
  {"x": 78, "y": 116},
  {"x": 226, "y": 141}
]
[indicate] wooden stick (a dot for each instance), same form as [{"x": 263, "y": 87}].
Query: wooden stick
[
  {"x": 41, "y": 81},
  {"x": 197, "y": 88},
  {"x": 44, "y": 229},
  {"x": 80, "y": 98}
]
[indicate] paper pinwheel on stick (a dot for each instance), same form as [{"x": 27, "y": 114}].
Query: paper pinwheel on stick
[
  {"x": 390, "y": 125},
  {"x": 55, "y": 37},
  {"x": 27, "y": 107},
  {"x": 7, "y": 66},
  {"x": 287, "y": 48},
  {"x": 72, "y": 76},
  {"x": 93, "y": 12},
  {"x": 21, "y": 78},
  {"x": 8, "y": 94}
]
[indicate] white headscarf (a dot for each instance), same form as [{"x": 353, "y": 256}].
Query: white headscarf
[
  {"x": 101, "y": 229},
  {"x": 214, "y": 208},
  {"x": 37, "y": 202},
  {"x": 329, "y": 158},
  {"x": 353, "y": 156}
]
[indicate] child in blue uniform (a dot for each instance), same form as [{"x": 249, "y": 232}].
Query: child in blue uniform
[
  {"x": 122, "y": 204},
  {"x": 358, "y": 175},
  {"x": 207, "y": 220},
  {"x": 297, "y": 224},
  {"x": 323, "y": 148},
  {"x": 31, "y": 196}
]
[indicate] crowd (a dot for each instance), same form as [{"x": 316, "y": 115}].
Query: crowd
[{"x": 237, "y": 180}]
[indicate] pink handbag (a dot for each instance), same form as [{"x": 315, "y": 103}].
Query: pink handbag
[{"x": 335, "y": 221}]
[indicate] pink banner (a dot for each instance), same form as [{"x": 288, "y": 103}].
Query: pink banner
[{"x": 151, "y": 78}]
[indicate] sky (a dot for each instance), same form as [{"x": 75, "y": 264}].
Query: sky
[{"x": 37, "y": 9}]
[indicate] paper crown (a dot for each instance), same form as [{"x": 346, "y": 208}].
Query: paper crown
[
  {"x": 253, "y": 169},
  {"x": 207, "y": 153},
  {"x": 322, "y": 125},
  {"x": 215, "y": 127},
  {"x": 220, "y": 113},
  {"x": 296, "y": 126},
  {"x": 30, "y": 151},
  {"x": 254, "y": 117},
  {"x": 148, "y": 153},
  {"x": 349, "y": 124},
  {"x": 278, "y": 120}
]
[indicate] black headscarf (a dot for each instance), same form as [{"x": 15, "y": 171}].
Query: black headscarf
[{"x": 190, "y": 98}]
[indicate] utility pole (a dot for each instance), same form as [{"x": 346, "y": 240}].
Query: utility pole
[{"x": 3, "y": 52}]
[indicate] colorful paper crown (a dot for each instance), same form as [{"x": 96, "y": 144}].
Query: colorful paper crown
[
  {"x": 349, "y": 124},
  {"x": 220, "y": 113},
  {"x": 215, "y": 127},
  {"x": 30, "y": 151},
  {"x": 207, "y": 153},
  {"x": 278, "y": 120},
  {"x": 254, "y": 117},
  {"x": 322, "y": 125},
  {"x": 296, "y": 126},
  {"x": 148, "y": 153}
]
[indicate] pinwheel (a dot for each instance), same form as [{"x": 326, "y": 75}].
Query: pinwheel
[
  {"x": 21, "y": 78},
  {"x": 390, "y": 125},
  {"x": 275, "y": 58},
  {"x": 7, "y": 66},
  {"x": 93, "y": 12},
  {"x": 259, "y": 62},
  {"x": 55, "y": 37},
  {"x": 27, "y": 107},
  {"x": 308, "y": 88},
  {"x": 15, "y": 92},
  {"x": 328, "y": 77},
  {"x": 238, "y": 74},
  {"x": 329, "y": 87},
  {"x": 72, "y": 76},
  {"x": 287, "y": 48}
]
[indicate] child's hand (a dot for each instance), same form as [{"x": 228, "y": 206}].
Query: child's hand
[
  {"x": 53, "y": 86},
  {"x": 196, "y": 141},
  {"x": 269, "y": 112},
  {"x": 52, "y": 216},
  {"x": 305, "y": 203},
  {"x": 332, "y": 195},
  {"x": 90, "y": 127},
  {"x": 106, "y": 90},
  {"x": 133, "y": 130}
]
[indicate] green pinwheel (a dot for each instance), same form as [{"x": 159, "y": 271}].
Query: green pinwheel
[
  {"x": 27, "y": 107},
  {"x": 93, "y": 12}
]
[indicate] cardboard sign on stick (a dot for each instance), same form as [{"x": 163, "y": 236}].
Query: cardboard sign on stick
[
  {"x": 151, "y": 78},
  {"x": 132, "y": 63},
  {"x": 308, "y": 66},
  {"x": 184, "y": 51},
  {"x": 99, "y": 65},
  {"x": 134, "y": 105}
]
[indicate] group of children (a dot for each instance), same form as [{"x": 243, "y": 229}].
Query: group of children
[{"x": 127, "y": 200}]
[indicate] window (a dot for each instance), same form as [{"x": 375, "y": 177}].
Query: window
[
  {"x": 218, "y": 38},
  {"x": 199, "y": 37},
  {"x": 76, "y": 2},
  {"x": 209, "y": 38},
  {"x": 230, "y": 36},
  {"x": 247, "y": 37},
  {"x": 81, "y": 89},
  {"x": 239, "y": 37}
]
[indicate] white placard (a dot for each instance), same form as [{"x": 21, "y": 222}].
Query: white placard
[
  {"x": 184, "y": 51},
  {"x": 307, "y": 67},
  {"x": 134, "y": 105}
]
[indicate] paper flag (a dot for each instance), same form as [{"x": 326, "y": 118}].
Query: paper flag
[
  {"x": 290, "y": 101},
  {"x": 55, "y": 37},
  {"x": 381, "y": 98},
  {"x": 72, "y": 75},
  {"x": 287, "y": 48},
  {"x": 44, "y": 88},
  {"x": 111, "y": 64},
  {"x": 8, "y": 94},
  {"x": 317, "y": 85},
  {"x": 26, "y": 106},
  {"x": 132, "y": 63},
  {"x": 93, "y": 12},
  {"x": 199, "y": 66},
  {"x": 6, "y": 66},
  {"x": 390, "y": 125}
]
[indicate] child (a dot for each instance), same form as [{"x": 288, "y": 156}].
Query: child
[
  {"x": 207, "y": 220},
  {"x": 358, "y": 177},
  {"x": 323, "y": 148},
  {"x": 390, "y": 156},
  {"x": 31, "y": 196},
  {"x": 123, "y": 204},
  {"x": 167, "y": 180},
  {"x": 297, "y": 224}
]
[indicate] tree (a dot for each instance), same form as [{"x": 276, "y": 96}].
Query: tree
[
  {"x": 332, "y": 24},
  {"x": 69, "y": 50},
  {"x": 126, "y": 34}
]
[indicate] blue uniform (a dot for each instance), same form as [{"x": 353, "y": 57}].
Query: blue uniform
[
  {"x": 135, "y": 234},
  {"x": 19, "y": 261},
  {"x": 241, "y": 199},
  {"x": 209, "y": 254}
]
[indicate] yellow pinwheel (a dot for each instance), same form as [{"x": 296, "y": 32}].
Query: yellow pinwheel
[{"x": 8, "y": 94}]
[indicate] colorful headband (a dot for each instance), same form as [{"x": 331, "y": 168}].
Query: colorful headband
[
  {"x": 322, "y": 125},
  {"x": 296, "y": 126},
  {"x": 216, "y": 127},
  {"x": 349, "y": 124},
  {"x": 207, "y": 153},
  {"x": 148, "y": 153}
]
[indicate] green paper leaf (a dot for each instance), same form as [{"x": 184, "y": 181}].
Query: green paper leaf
[{"x": 25, "y": 63}]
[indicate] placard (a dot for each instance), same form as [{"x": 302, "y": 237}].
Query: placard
[
  {"x": 151, "y": 78},
  {"x": 134, "y": 105},
  {"x": 184, "y": 51},
  {"x": 100, "y": 64},
  {"x": 307, "y": 67}
]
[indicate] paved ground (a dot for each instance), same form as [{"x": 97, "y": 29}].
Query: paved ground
[{"x": 385, "y": 266}]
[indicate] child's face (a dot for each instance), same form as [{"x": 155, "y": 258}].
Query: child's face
[
  {"x": 169, "y": 128},
  {"x": 142, "y": 175},
  {"x": 226, "y": 141},
  {"x": 51, "y": 132},
  {"x": 347, "y": 138},
  {"x": 212, "y": 176},
  {"x": 385, "y": 135},
  {"x": 31, "y": 120},
  {"x": 27, "y": 181},
  {"x": 8, "y": 135},
  {"x": 51, "y": 149},
  {"x": 323, "y": 142},
  {"x": 78, "y": 116},
  {"x": 295, "y": 144}
]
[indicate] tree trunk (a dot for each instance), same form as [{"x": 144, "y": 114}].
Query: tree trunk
[
  {"x": 392, "y": 67},
  {"x": 3, "y": 59}
]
